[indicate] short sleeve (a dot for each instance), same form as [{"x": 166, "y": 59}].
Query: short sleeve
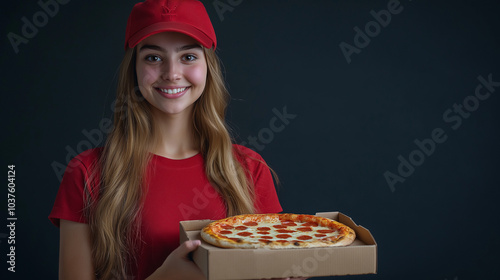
[
  {"x": 266, "y": 198},
  {"x": 71, "y": 197}
]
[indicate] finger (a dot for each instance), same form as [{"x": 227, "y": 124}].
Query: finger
[
  {"x": 185, "y": 248},
  {"x": 191, "y": 245}
]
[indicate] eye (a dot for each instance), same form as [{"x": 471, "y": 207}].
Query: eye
[
  {"x": 189, "y": 57},
  {"x": 152, "y": 58}
]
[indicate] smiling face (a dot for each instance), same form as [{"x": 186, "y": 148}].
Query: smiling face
[{"x": 171, "y": 72}]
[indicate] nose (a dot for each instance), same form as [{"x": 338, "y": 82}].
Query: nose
[{"x": 171, "y": 71}]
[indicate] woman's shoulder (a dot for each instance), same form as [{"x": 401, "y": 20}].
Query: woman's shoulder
[
  {"x": 246, "y": 151},
  {"x": 87, "y": 158},
  {"x": 247, "y": 156},
  {"x": 83, "y": 167}
]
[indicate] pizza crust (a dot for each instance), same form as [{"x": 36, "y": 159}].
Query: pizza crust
[{"x": 342, "y": 236}]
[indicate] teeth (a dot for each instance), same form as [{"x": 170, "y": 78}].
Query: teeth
[{"x": 172, "y": 91}]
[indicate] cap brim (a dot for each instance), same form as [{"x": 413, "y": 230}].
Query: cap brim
[{"x": 187, "y": 29}]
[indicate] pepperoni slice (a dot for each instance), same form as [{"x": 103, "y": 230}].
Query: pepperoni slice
[
  {"x": 263, "y": 232},
  {"x": 283, "y": 236},
  {"x": 251, "y": 224},
  {"x": 240, "y": 228},
  {"x": 320, "y": 235},
  {"x": 226, "y": 226},
  {"x": 244, "y": 233},
  {"x": 288, "y": 223},
  {"x": 304, "y": 237},
  {"x": 264, "y": 240},
  {"x": 266, "y": 237},
  {"x": 303, "y": 229},
  {"x": 325, "y": 230},
  {"x": 225, "y": 232},
  {"x": 263, "y": 228},
  {"x": 235, "y": 239},
  {"x": 310, "y": 224},
  {"x": 284, "y": 231},
  {"x": 282, "y": 241},
  {"x": 279, "y": 226}
]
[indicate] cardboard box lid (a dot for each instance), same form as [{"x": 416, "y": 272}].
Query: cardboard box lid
[
  {"x": 220, "y": 263},
  {"x": 362, "y": 233}
]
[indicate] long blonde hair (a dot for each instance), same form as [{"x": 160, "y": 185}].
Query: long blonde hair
[{"x": 114, "y": 217}]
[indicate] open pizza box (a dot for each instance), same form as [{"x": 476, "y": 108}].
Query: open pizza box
[{"x": 219, "y": 263}]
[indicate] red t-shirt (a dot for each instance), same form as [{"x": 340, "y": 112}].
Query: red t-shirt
[{"x": 177, "y": 190}]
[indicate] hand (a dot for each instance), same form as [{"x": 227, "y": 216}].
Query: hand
[{"x": 178, "y": 266}]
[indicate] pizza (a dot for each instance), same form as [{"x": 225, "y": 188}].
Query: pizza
[{"x": 277, "y": 231}]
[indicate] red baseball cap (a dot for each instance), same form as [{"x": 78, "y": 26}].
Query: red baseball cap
[{"x": 184, "y": 16}]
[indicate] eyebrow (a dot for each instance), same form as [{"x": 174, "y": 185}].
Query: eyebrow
[
  {"x": 189, "y": 47},
  {"x": 158, "y": 48}
]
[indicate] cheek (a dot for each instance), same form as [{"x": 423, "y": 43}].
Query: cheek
[
  {"x": 146, "y": 76},
  {"x": 197, "y": 75}
]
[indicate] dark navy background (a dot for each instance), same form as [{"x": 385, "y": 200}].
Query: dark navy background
[{"x": 330, "y": 128}]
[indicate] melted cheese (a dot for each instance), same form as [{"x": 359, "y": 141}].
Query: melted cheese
[{"x": 273, "y": 232}]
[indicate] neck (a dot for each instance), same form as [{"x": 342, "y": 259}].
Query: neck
[{"x": 176, "y": 137}]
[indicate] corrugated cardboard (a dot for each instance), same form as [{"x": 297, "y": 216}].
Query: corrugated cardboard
[{"x": 218, "y": 263}]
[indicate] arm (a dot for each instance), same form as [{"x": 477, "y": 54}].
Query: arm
[{"x": 75, "y": 258}]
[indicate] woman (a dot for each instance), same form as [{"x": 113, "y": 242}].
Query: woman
[{"x": 169, "y": 157}]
